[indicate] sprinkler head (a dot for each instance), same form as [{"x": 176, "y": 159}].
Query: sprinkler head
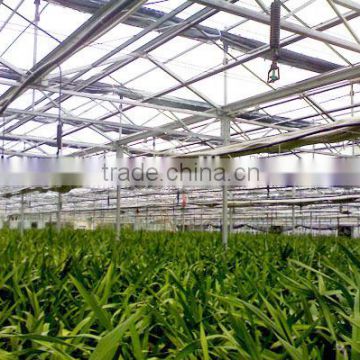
[{"x": 273, "y": 74}]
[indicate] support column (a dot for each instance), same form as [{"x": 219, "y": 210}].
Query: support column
[
  {"x": 225, "y": 224},
  {"x": 135, "y": 219},
  {"x": 303, "y": 221},
  {"x": 225, "y": 134},
  {"x": 119, "y": 156},
  {"x": 93, "y": 216},
  {"x": 58, "y": 214},
  {"x": 35, "y": 46},
  {"x": 352, "y": 101},
  {"x": 22, "y": 215},
  {"x": 183, "y": 219},
  {"x": 175, "y": 222},
  {"x": 293, "y": 212},
  {"x": 118, "y": 211},
  {"x": 267, "y": 209}
]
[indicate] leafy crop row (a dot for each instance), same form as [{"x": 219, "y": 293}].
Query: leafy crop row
[{"x": 82, "y": 295}]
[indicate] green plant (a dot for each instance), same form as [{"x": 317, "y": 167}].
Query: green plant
[{"x": 154, "y": 295}]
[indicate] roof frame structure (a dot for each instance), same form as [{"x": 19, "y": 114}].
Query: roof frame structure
[{"x": 169, "y": 25}]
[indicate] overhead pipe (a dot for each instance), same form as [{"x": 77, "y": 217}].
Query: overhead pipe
[{"x": 275, "y": 17}]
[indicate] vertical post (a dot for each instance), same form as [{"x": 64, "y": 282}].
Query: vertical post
[
  {"x": 118, "y": 211},
  {"x": 119, "y": 156},
  {"x": 59, "y": 206},
  {"x": 93, "y": 216},
  {"x": 35, "y": 47},
  {"x": 303, "y": 221},
  {"x": 225, "y": 134},
  {"x": 174, "y": 217},
  {"x": 352, "y": 94},
  {"x": 102, "y": 214},
  {"x": 22, "y": 215},
  {"x": 293, "y": 212},
  {"x": 311, "y": 229},
  {"x": 183, "y": 219},
  {"x": 267, "y": 209},
  {"x": 225, "y": 224},
  {"x": 233, "y": 219}
]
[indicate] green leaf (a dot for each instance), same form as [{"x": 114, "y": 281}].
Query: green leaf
[
  {"x": 136, "y": 343},
  {"x": 204, "y": 344},
  {"x": 355, "y": 354},
  {"x": 107, "y": 346},
  {"x": 90, "y": 299},
  {"x": 4, "y": 355}
]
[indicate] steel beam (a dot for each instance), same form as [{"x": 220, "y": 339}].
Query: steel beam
[
  {"x": 285, "y": 25},
  {"x": 52, "y": 142},
  {"x": 302, "y": 201},
  {"x": 146, "y": 16},
  {"x": 254, "y": 55},
  {"x": 103, "y": 88},
  {"x": 348, "y": 4},
  {"x": 103, "y": 20},
  {"x": 164, "y": 103},
  {"x": 350, "y": 73},
  {"x": 25, "y": 154},
  {"x": 151, "y": 45},
  {"x": 329, "y": 133},
  {"x": 112, "y": 125}
]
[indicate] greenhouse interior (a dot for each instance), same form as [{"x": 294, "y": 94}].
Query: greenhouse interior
[{"x": 265, "y": 265}]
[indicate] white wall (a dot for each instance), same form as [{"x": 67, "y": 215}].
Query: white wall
[{"x": 15, "y": 224}]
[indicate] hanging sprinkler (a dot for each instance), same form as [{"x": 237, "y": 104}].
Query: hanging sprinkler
[
  {"x": 178, "y": 197},
  {"x": 274, "y": 72},
  {"x": 59, "y": 129},
  {"x": 59, "y": 137}
]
